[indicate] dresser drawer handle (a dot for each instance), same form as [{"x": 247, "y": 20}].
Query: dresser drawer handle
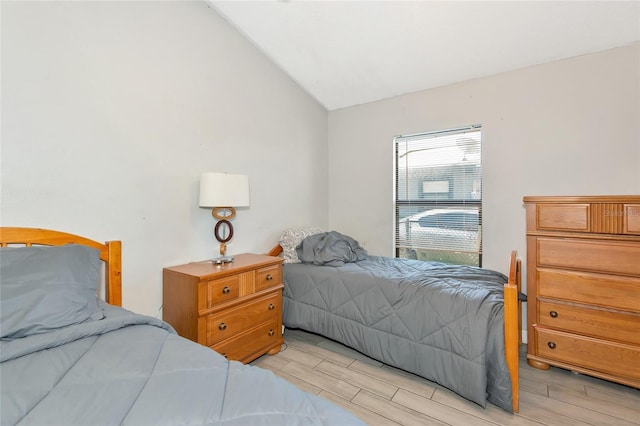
[
  {"x": 271, "y": 333},
  {"x": 271, "y": 306},
  {"x": 222, "y": 326},
  {"x": 269, "y": 277},
  {"x": 551, "y": 345},
  {"x": 553, "y": 314},
  {"x": 226, "y": 290}
]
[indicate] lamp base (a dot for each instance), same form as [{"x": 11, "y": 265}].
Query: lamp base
[{"x": 222, "y": 259}]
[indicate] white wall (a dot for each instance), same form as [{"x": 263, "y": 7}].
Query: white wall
[
  {"x": 570, "y": 127},
  {"x": 110, "y": 112}
]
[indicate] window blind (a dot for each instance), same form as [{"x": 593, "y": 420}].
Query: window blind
[{"x": 438, "y": 196}]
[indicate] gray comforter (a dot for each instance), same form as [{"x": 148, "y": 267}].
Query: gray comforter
[
  {"x": 442, "y": 322},
  {"x": 132, "y": 369}
]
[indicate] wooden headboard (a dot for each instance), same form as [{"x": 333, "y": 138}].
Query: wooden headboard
[
  {"x": 110, "y": 253},
  {"x": 275, "y": 251}
]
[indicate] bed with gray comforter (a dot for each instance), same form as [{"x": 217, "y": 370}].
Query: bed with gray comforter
[
  {"x": 442, "y": 322},
  {"x": 134, "y": 370}
]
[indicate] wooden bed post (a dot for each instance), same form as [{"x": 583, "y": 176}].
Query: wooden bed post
[
  {"x": 113, "y": 274},
  {"x": 512, "y": 326}
]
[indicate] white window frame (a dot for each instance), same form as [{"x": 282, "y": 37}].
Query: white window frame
[{"x": 437, "y": 179}]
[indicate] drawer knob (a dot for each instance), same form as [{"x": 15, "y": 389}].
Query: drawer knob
[
  {"x": 222, "y": 326},
  {"x": 551, "y": 345},
  {"x": 269, "y": 277},
  {"x": 271, "y": 306},
  {"x": 553, "y": 314},
  {"x": 226, "y": 290},
  {"x": 271, "y": 333}
]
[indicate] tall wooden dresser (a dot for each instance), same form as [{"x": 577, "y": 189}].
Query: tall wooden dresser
[{"x": 583, "y": 285}]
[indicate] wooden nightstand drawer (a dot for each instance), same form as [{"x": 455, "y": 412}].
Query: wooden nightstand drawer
[
  {"x": 621, "y": 359},
  {"x": 243, "y": 347},
  {"x": 567, "y": 217},
  {"x": 233, "y": 321},
  {"x": 607, "y": 324},
  {"x": 590, "y": 288},
  {"x": 222, "y": 290},
  {"x": 268, "y": 277}
]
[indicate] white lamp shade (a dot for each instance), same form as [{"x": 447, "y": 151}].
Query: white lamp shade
[{"x": 224, "y": 190}]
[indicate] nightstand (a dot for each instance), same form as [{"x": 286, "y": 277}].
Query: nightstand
[{"x": 234, "y": 308}]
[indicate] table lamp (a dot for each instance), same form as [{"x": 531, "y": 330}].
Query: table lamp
[{"x": 223, "y": 192}]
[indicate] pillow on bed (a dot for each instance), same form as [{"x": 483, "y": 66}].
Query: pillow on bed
[
  {"x": 44, "y": 288},
  {"x": 291, "y": 238}
]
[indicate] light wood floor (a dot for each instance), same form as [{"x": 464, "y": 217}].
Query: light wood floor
[{"x": 382, "y": 395}]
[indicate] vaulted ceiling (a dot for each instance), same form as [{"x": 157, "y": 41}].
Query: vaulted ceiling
[{"x": 346, "y": 53}]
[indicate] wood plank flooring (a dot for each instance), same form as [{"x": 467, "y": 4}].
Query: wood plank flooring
[{"x": 382, "y": 395}]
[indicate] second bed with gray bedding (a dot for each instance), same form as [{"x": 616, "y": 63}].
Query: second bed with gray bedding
[{"x": 442, "y": 322}]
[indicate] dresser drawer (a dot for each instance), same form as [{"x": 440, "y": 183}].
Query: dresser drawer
[
  {"x": 268, "y": 277},
  {"x": 226, "y": 324},
  {"x": 606, "y": 357},
  {"x": 590, "y": 288},
  {"x": 564, "y": 217},
  {"x": 607, "y": 324},
  {"x": 599, "y": 256},
  {"x": 223, "y": 290},
  {"x": 244, "y": 346},
  {"x": 631, "y": 219}
]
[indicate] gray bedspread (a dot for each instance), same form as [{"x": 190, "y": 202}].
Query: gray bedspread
[
  {"x": 134, "y": 370},
  {"x": 442, "y": 322}
]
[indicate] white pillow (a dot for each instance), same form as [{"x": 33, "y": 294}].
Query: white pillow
[{"x": 291, "y": 238}]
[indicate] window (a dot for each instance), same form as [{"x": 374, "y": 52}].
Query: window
[{"x": 438, "y": 196}]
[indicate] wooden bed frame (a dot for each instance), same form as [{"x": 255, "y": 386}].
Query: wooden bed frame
[
  {"x": 110, "y": 253},
  {"x": 512, "y": 321}
]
